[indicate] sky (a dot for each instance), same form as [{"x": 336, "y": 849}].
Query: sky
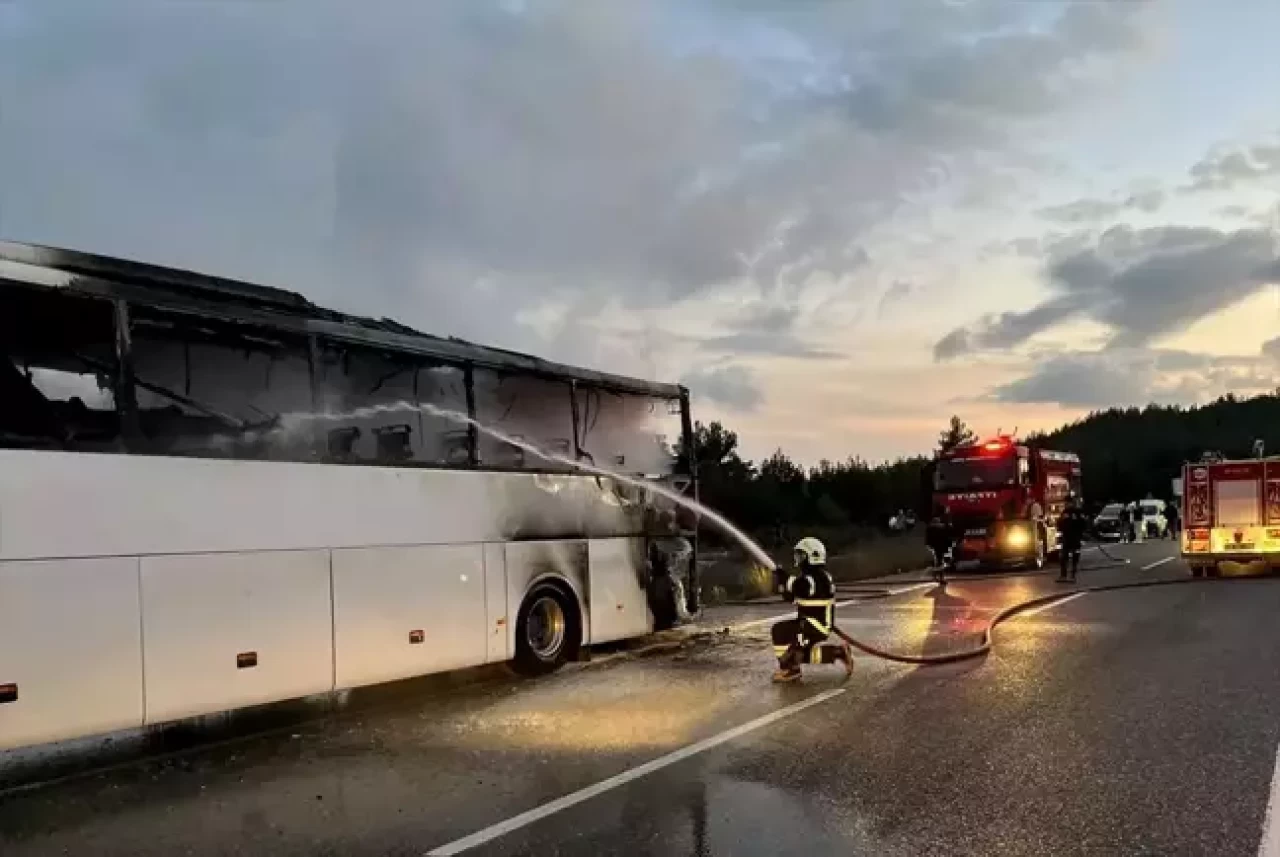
[{"x": 837, "y": 221}]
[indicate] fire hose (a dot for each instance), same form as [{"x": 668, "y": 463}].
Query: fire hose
[
  {"x": 985, "y": 644},
  {"x": 984, "y": 647}
]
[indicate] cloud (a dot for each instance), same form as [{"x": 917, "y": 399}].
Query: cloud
[
  {"x": 732, "y": 386},
  {"x": 460, "y": 164},
  {"x": 763, "y": 317},
  {"x": 1087, "y": 210},
  {"x": 1121, "y": 377},
  {"x": 766, "y": 328},
  {"x": 1082, "y": 381},
  {"x": 898, "y": 291},
  {"x": 1224, "y": 170},
  {"x": 764, "y": 344},
  {"x": 1006, "y": 329},
  {"x": 1141, "y": 283}
]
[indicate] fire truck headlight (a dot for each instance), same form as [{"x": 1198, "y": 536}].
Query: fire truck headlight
[{"x": 1017, "y": 538}]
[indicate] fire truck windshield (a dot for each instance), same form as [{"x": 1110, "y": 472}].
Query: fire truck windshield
[{"x": 965, "y": 474}]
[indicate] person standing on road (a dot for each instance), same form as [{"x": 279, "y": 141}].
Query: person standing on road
[
  {"x": 940, "y": 537},
  {"x": 799, "y": 640},
  {"x": 1071, "y": 524},
  {"x": 1174, "y": 517},
  {"x": 1126, "y": 525}
]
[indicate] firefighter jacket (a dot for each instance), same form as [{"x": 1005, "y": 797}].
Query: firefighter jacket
[{"x": 814, "y": 594}]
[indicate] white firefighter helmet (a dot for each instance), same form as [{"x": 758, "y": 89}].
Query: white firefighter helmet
[{"x": 810, "y": 550}]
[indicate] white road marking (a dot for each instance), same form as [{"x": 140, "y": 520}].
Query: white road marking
[
  {"x": 1043, "y": 607},
  {"x": 1158, "y": 562},
  {"x": 1270, "y": 844},
  {"x": 524, "y": 819},
  {"x": 913, "y": 588}
]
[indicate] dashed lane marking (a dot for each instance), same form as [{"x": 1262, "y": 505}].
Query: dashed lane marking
[
  {"x": 1043, "y": 607},
  {"x": 901, "y": 589},
  {"x": 1158, "y": 562}
]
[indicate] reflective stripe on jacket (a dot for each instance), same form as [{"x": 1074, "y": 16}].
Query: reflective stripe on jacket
[{"x": 814, "y": 594}]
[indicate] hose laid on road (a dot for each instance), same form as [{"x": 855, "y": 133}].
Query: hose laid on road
[
  {"x": 1115, "y": 560},
  {"x": 983, "y": 648}
]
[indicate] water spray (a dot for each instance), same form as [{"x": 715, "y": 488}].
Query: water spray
[{"x": 291, "y": 422}]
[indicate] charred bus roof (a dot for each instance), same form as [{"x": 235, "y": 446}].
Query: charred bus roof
[{"x": 249, "y": 303}]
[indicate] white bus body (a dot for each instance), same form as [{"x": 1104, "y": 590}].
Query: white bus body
[{"x": 142, "y": 589}]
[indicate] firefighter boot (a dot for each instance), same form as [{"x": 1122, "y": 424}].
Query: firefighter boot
[
  {"x": 843, "y": 655},
  {"x": 788, "y": 668}
]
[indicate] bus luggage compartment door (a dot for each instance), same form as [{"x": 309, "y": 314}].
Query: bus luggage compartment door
[
  {"x": 227, "y": 630},
  {"x": 400, "y": 612},
  {"x": 70, "y": 649}
]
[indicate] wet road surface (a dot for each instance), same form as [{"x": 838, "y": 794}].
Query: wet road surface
[{"x": 1134, "y": 722}]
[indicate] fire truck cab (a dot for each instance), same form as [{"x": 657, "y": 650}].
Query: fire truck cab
[
  {"x": 1004, "y": 499},
  {"x": 1231, "y": 511}
]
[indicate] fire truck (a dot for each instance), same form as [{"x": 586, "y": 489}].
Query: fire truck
[
  {"x": 1004, "y": 499},
  {"x": 1231, "y": 514}
]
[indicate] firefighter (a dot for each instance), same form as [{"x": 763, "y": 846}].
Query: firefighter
[
  {"x": 1071, "y": 524},
  {"x": 800, "y": 640},
  {"x": 940, "y": 536}
]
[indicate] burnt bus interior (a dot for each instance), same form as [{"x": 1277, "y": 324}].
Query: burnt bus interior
[{"x": 139, "y": 359}]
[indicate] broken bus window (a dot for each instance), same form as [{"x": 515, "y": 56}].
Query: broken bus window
[{"x": 58, "y": 371}]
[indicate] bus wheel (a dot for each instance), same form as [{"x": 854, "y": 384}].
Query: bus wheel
[{"x": 548, "y": 631}]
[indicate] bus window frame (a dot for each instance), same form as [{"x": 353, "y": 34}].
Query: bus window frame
[{"x": 127, "y": 300}]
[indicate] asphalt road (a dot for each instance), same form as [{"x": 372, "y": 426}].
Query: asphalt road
[{"x": 1142, "y": 721}]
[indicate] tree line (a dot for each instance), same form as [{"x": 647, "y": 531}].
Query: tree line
[{"x": 1126, "y": 454}]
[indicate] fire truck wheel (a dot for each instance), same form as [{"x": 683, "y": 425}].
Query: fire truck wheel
[
  {"x": 1197, "y": 571},
  {"x": 1213, "y": 571}
]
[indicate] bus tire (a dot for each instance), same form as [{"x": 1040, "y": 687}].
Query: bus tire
[{"x": 548, "y": 630}]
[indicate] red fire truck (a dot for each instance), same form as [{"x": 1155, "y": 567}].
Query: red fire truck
[
  {"x": 1231, "y": 511},
  {"x": 1004, "y": 499}
]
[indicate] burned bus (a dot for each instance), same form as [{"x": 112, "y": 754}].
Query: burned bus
[{"x": 215, "y": 494}]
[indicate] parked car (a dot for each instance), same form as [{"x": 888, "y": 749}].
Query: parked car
[
  {"x": 1107, "y": 524},
  {"x": 1152, "y": 518}
]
